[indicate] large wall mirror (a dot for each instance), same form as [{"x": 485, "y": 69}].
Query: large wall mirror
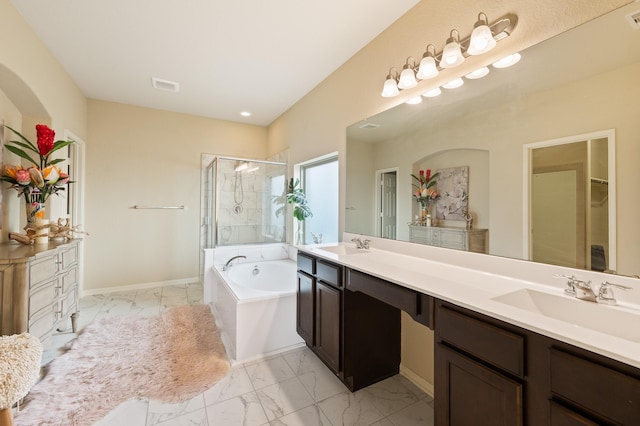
[{"x": 582, "y": 83}]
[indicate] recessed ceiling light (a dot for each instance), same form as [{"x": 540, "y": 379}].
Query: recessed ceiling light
[{"x": 245, "y": 114}]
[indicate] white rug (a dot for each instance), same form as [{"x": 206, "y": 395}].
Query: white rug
[{"x": 171, "y": 357}]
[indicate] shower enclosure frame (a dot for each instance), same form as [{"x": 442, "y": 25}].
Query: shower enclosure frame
[{"x": 211, "y": 190}]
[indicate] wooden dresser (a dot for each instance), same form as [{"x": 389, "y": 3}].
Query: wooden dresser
[
  {"x": 475, "y": 240},
  {"x": 38, "y": 288}
]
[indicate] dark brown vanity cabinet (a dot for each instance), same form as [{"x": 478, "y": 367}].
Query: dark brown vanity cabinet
[
  {"x": 493, "y": 373},
  {"x": 355, "y": 335}
]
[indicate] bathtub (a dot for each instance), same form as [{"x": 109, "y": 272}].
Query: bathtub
[{"x": 255, "y": 308}]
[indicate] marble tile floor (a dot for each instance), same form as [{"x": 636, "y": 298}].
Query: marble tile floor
[{"x": 290, "y": 389}]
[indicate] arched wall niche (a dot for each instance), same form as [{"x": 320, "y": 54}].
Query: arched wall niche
[{"x": 23, "y": 113}]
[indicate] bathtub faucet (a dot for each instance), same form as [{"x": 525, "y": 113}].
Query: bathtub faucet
[{"x": 227, "y": 265}]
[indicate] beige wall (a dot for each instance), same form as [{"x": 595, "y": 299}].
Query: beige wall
[
  {"x": 140, "y": 156},
  {"x": 316, "y": 125},
  {"x": 34, "y": 88}
]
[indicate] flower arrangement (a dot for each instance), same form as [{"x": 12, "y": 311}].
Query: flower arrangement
[
  {"x": 425, "y": 188},
  {"x": 43, "y": 177}
]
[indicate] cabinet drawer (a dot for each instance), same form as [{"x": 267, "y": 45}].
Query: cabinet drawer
[
  {"x": 598, "y": 389},
  {"x": 482, "y": 340},
  {"x": 329, "y": 273},
  {"x": 69, "y": 280},
  {"x": 41, "y": 325},
  {"x": 69, "y": 257},
  {"x": 390, "y": 293},
  {"x": 42, "y": 298},
  {"x": 42, "y": 269},
  {"x": 562, "y": 416},
  {"x": 457, "y": 240},
  {"x": 306, "y": 264}
]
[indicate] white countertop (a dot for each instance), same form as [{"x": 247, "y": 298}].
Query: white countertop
[{"x": 452, "y": 280}]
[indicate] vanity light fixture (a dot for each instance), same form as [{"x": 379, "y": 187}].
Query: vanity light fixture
[
  {"x": 508, "y": 61},
  {"x": 390, "y": 88},
  {"x": 432, "y": 93},
  {"x": 245, "y": 114},
  {"x": 414, "y": 100},
  {"x": 428, "y": 67},
  {"x": 453, "y": 84},
  {"x": 452, "y": 53},
  {"x": 479, "y": 73},
  {"x": 483, "y": 38},
  {"x": 408, "y": 75}
]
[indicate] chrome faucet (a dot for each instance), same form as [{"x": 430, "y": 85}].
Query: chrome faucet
[
  {"x": 605, "y": 292},
  {"x": 228, "y": 265},
  {"x": 578, "y": 288},
  {"x": 361, "y": 244},
  {"x": 582, "y": 290}
]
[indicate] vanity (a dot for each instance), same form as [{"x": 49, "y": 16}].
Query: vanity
[{"x": 517, "y": 364}]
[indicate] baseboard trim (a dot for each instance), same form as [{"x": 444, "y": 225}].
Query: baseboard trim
[
  {"x": 417, "y": 380},
  {"x": 142, "y": 286}
]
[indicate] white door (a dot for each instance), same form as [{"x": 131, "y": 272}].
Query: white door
[
  {"x": 388, "y": 213},
  {"x": 554, "y": 219}
]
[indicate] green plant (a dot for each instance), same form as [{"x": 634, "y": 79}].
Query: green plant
[{"x": 295, "y": 196}]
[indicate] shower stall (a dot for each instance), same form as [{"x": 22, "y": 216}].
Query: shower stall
[{"x": 242, "y": 202}]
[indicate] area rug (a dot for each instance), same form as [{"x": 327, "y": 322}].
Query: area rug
[{"x": 171, "y": 357}]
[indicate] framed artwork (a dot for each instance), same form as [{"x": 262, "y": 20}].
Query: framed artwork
[{"x": 453, "y": 186}]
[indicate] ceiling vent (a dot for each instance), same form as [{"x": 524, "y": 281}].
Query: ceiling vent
[
  {"x": 166, "y": 85},
  {"x": 367, "y": 125},
  {"x": 634, "y": 19}
]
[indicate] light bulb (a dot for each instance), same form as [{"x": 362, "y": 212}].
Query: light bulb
[
  {"x": 390, "y": 88},
  {"x": 432, "y": 93},
  {"x": 452, "y": 54},
  {"x": 454, "y": 84},
  {"x": 481, "y": 40},
  {"x": 508, "y": 61},
  {"x": 414, "y": 100},
  {"x": 479, "y": 73},
  {"x": 407, "y": 78}
]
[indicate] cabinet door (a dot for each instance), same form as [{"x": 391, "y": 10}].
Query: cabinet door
[
  {"x": 305, "y": 308},
  {"x": 470, "y": 394},
  {"x": 328, "y": 325}
]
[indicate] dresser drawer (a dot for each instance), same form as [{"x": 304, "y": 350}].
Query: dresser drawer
[
  {"x": 329, "y": 273},
  {"x": 492, "y": 344},
  {"x": 457, "y": 240},
  {"x": 42, "y": 324},
  {"x": 42, "y": 297},
  {"x": 577, "y": 380},
  {"x": 69, "y": 257},
  {"x": 69, "y": 280},
  {"x": 42, "y": 269}
]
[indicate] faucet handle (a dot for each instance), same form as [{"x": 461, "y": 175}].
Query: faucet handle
[
  {"x": 358, "y": 242},
  {"x": 365, "y": 244},
  {"x": 605, "y": 292},
  {"x": 572, "y": 280}
]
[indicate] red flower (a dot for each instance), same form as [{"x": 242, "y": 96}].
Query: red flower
[
  {"x": 428, "y": 174},
  {"x": 45, "y": 139}
]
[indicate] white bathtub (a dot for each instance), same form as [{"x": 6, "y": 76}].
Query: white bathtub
[{"x": 255, "y": 307}]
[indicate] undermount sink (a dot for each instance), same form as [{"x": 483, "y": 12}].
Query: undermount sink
[
  {"x": 343, "y": 250},
  {"x": 605, "y": 319}
]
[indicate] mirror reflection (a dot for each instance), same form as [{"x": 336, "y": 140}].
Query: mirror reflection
[{"x": 561, "y": 89}]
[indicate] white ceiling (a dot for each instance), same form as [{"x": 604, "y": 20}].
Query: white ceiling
[{"x": 260, "y": 56}]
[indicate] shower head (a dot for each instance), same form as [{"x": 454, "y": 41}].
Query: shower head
[{"x": 241, "y": 166}]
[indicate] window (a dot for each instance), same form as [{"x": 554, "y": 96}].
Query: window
[{"x": 320, "y": 183}]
